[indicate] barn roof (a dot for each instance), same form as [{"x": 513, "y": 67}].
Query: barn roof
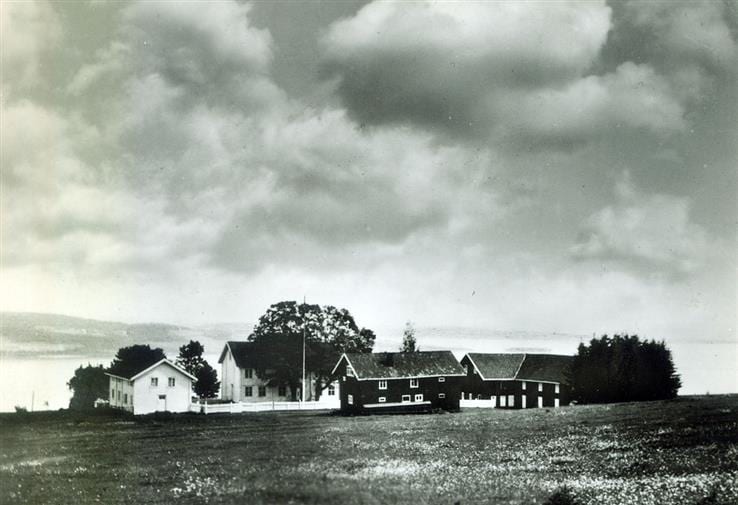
[
  {"x": 532, "y": 367},
  {"x": 395, "y": 365}
]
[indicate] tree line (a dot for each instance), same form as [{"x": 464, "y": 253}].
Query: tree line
[{"x": 623, "y": 368}]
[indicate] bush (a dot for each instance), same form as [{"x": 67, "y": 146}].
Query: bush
[{"x": 561, "y": 497}]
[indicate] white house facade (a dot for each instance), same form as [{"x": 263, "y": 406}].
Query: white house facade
[
  {"x": 239, "y": 382},
  {"x": 161, "y": 387}
]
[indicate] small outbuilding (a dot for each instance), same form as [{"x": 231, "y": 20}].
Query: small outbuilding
[
  {"x": 161, "y": 387},
  {"x": 399, "y": 381},
  {"x": 518, "y": 381}
]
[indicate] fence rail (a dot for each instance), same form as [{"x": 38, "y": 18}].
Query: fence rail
[{"x": 239, "y": 407}]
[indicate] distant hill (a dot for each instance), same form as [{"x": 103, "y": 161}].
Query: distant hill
[{"x": 52, "y": 335}]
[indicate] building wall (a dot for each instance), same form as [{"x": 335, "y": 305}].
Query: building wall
[
  {"x": 146, "y": 395},
  {"x": 368, "y": 392},
  {"x": 524, "y": 394},
  {"x": 121, "y": 393},
  {"x": 230, "y": 382}
]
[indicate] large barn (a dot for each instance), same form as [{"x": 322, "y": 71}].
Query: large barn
[
  {"x": 518, "y": 381},
  {"x": 399, "y": 381}
]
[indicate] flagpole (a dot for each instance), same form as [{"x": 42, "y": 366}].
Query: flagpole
[{"x": 302, "y": 396}]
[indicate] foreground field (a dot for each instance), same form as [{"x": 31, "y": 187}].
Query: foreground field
[{"x": 651, "y": 453}]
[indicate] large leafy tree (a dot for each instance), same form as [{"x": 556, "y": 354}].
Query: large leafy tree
[
  {"x": 328, "y": 331},
  {"x": 88, "y": 384},
  {"x": 130, "y": 360},
  {"x": 623, "y": 368},
  {"x": 190, "y": 358}
]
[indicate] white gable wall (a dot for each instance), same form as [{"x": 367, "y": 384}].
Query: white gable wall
[
  {"x": 230, "y": 381},
  {"x": 146, "y": 395}
]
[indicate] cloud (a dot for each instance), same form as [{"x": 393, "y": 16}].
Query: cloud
[
  {"x": 654, "y": 230},
  {"x": 30, "y": 29},
  {"x": 474, "y": 70}
]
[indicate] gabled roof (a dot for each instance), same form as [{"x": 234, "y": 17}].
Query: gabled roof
[
  {"x": 395, "y": 365},
  {"x": 532, "y": 367},
  {"x": 139, "y": 373},
  {"x": 244, "y": 353}
]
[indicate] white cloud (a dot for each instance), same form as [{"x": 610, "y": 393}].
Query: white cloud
[
  {"x": 517, "y": 71},
  {"x": 30, "y": 29},
  {"x": 651, "y": 228}
]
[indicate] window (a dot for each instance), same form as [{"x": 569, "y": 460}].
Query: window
[
  {"x": 524, "y": 383},
  {"x": 262, "y": 391},
  {"x": 350, "y": 399},
  {"x": 112, "y": 394},
  {"x": 441, "y": 395},
  {"x": 248, "y": 373},
  {"x": 418, "y": 398},
  {"x": 331, "y": 390},
  {"x": 282, "y": 391},
  {"x": 510, "y": 401},
  {"x": 503, "y": 401},
  {"x": 118, "y": 395},
  {"x": 349, "y": 371},
  {"x": 556, "y": 389},
  {"x": 382, "y": 384},
  {"x": 171, "y": 382},
  {"x": 413, "y": 383},
  {"x": 442, "y": 379},
  {"x": 125, "y": 398},
  {"x": 154, "y": 381},
  {"x": 343, "y": 378},
  {"x": 382, "y": 399},
  {"x": 540, "y": 387},
  {"x": 248, "y": 391},
  {"x": 405, "y": 398}
]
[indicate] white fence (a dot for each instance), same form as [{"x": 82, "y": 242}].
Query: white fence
[
  {"x": 238, "y": 408},
  {"x": 478, "y": 404}
]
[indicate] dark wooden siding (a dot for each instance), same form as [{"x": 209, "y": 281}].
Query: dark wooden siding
[
  {"x": 367, "y": 392},
  {"x": 476, "y": 388}
]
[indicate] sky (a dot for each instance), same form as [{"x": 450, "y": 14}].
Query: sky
[{"x": 542, "y": 166}]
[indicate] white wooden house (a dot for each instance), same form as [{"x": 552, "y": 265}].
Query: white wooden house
[
  {"x": 161, "y": 387},
  {"x": 239, "y": 382}
]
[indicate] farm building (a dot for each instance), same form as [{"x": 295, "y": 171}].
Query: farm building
[
  {"x": 161, "y": 387},
  {"x": 399, "y": 381},
  {"x": 517, "y": 381},
  {"x": 239, "y": 382}
]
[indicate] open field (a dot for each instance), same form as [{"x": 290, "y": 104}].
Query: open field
[{"x": 651, "y": 453}]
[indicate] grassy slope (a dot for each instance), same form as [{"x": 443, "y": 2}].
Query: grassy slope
[{"x": 650, "y": 453}]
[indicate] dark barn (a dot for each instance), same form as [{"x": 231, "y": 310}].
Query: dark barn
[
  {"x": 399, "y": 381},
  {"x": 518, "y": 381}
]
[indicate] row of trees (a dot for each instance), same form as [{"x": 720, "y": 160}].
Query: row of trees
[{"x": 623, "y": 368}]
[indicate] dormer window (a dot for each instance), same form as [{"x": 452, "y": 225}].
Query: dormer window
[{"x": 413, "y": 383}]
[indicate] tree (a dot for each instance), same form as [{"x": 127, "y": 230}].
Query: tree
[
  {"x": 409, "y": 344},
  {"x": 190, "y": 358},
  {"x": 207, "y": 385},
  {"x": 88, "y": 384},
  {"x": 130, "y": 360},
  {"x": 328, "y": 332},
  {"x": 623, "y": 368}
]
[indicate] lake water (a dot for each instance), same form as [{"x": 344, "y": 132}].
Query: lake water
[{"x": 704, "y": 367}]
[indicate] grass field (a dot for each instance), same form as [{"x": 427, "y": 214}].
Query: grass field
[{"x": 675, "y": 452}]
